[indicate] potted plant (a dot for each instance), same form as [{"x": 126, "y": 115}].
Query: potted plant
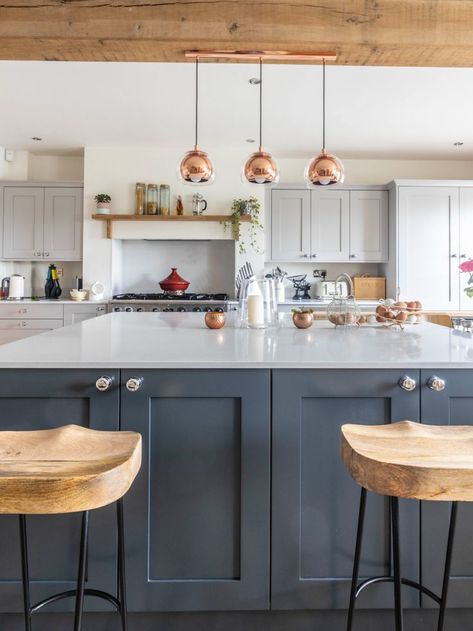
[
  {"x": 103, "y": 203},
  {"x": 240, "y": 208}
]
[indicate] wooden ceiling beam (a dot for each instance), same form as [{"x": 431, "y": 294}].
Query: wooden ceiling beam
[{"x": 362, "y": 32}]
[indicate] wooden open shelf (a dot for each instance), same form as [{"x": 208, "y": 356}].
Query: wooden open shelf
[{"x": 109, "y": 219}]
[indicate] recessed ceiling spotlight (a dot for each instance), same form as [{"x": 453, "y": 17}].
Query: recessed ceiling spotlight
[
  {"x": 459, "y": 143},
  {"x": 37, "y": 138},
  {"x": 254, "y": 81},
  {"x": 250, "y": 140}
]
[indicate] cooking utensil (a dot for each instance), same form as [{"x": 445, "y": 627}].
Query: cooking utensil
[{"x": 174, "y": 283}]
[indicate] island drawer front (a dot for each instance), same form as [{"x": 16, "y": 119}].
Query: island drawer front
[
  {"x": 43, "y": 399},
  {"x": 315, "y": 501},
  {"x": 41, "y": 325},
  {"x": 30, "y": 310},
  {"x": 197, "y": 516}
]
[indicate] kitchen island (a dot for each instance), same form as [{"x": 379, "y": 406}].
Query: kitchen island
[{"x": 242, "y": 516}]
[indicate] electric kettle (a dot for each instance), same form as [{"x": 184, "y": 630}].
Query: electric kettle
[{"x": 14, "y": 287}]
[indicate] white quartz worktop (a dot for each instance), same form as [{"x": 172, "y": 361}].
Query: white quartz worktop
[{"x": 181, "y": 340}]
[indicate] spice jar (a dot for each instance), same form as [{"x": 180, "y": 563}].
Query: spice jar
[
  {"x": 140, "y": 189},
  {"x": 152, "y": 200},
  {"x": 165, "y": 199},
  {"x": 179, "y": 206}
]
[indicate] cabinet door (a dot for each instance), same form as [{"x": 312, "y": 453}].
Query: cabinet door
[
  {"x": 63, "y": 224},
  {"x": 290, "y": 225},
  {"x": 330, "y": 225},
  {"x": 314, "y": 499},
  {"x": 42, "y": 399},
  {"x": 23, "y": 223},
  {"x": 369, "y": 225},
  {"x": 76, "y": 313},
  {"x": 12, "y": 330},
  {"x": 198, "y": 513},
  {"x": 428, "y": 241},
  {"x": 466, "y": 242},
  {"x": 453, "y": 406}
]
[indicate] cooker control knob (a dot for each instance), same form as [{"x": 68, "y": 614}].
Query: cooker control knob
[
  {"x": 139, "y": 309},
  {"x": 218, "y": 310},
  {"x": 436, "y": 383},
  {"x": 103, "y": 383},
  {"x": 407, "y": 383},
  {"x": 181, "y": 309},
  {"x": 155, "y": 309},
  {"x": 168, "y": 309},
  {"x": 116, "y": 309},
  {"x": 208, "y": 309},
  {"x": 134, "y": 384},
  {"x": 196, "y": 309},
  {"x": 128, "y": 309}
]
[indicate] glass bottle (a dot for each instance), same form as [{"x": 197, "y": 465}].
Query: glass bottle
[
  {"x": 165, "y": 199},
  {"x": 179, "y": 206},
  {"x": 152, "y": 200},
  {"x": 140, "y": 189}
]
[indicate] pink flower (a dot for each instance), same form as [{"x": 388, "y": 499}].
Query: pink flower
[{"x": 467, "y": 266}]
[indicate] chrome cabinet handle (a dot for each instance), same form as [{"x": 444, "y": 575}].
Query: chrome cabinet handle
[
  {"x": 38, "y": 254},
  {"x": 304, "y": 256},
  {"x": 134, "y": 384},
  {"x": 454, "y": 256},
  {"x": 437, "y": 384},
  {"x": 463, "y": 256},
  {"x": 407, "y": 383},
  {"x": 313, "y": 256},
  {"x": 46, "y": 254},
  {"x": 353, "y": 256},
  {"x": 103, "y": 383}
]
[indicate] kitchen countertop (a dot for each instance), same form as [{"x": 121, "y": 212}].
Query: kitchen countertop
[{"x": 181, "y": 340}]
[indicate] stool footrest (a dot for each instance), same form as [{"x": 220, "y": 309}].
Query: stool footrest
[
  {"x": 71, "y": 593},
  {"x": 405, "y": 581}
]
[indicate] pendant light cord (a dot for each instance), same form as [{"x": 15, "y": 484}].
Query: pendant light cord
[
  {"x": 196, "y": 100},
  {"x": 323, "y": 104},
  {"x": 260, "y": 103}
]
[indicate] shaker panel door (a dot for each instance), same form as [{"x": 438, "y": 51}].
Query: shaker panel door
[
  {"x": 369, "y": 226},
  {"x": 330, "y": 225},
  {"x": 63, "y": 224},
  {"x": 290, "y": 225},
  {"x": 23, "y": 223},
  {"x": 466, "y": 244}
]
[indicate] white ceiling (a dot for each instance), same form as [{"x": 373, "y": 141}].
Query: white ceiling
[{"x": 372, "y": 112}]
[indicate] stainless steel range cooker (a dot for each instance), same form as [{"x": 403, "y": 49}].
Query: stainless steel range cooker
[{"x": 169, "y": 302}]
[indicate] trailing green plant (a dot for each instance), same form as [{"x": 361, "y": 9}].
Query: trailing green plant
[
  {"x": 103, "y": 198},
  {"x": 234, "y": 220}
]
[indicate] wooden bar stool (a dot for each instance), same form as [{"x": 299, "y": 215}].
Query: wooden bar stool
[
  {"x": 66, "y": 470},
  {"x": 408, "y": 460}
]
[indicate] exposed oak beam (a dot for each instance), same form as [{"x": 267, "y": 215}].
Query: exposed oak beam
[{"x": 362, "y": 32}]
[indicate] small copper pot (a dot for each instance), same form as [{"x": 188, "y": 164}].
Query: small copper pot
[
  {"x": 215, "y": 319},
  {"x": 303, "y": 320}
]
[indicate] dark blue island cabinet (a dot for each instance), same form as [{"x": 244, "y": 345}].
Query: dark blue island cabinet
[
  {"x": 197, "y": 517},
  {"x": 451, "y": 406},
  {"x": 314, "y": 500},
  {"x": 42, "y": 399}
]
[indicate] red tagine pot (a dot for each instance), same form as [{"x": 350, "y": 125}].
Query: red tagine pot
[{"x": 174, "y": 282}]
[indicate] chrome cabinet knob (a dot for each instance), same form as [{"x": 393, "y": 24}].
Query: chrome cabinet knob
[
  {"x": 46, "y": 254},
  {"x": 314, "y": 256},
  {"x": 305, "y": 256},
  {"x": 103, "y": 383},
  {"x": 437, "y": 384},
  {"x": 134, "y": 384},
  {"x": 407, "y": 383},
  {"x": 463, "y": 256},
  {"x": 353, "y": 256},
  {"x": 454, "y": 256}
]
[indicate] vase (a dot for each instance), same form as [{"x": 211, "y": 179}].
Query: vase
[{"x": 103, "y": 208}]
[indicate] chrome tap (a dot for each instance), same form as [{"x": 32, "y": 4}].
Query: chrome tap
[{"x": 345, "y": 278}]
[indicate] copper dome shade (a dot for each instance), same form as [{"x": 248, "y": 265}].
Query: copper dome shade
[
  {"x": 323, "y": 170},
  {"x": 261, "y": 168},
  {"x": 196, "y": 167}
]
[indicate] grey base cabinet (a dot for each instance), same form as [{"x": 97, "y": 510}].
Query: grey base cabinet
[
  {"x": 197, "y": 516},
  {"x": 314, "y": 500},
  {"x": 42, "y": 399},
  {"x": 453, "y": 406}
]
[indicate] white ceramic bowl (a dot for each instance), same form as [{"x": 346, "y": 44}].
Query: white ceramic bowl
[{"x": 78, "y": 294}]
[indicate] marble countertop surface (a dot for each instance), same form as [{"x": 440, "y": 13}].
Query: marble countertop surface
[{"x": 181, "y": 340}]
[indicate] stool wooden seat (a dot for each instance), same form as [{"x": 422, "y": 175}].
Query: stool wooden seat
[
  {"x": 411, "y": 460},
  {"x": 64, "y": 470}
]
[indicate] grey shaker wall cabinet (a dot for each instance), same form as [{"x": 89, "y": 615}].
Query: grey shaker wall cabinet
[
  {"x": 42, "y": 222},
  {"x": 198, "y": 514},
  {"x": 42, "y": 399},
  {"x": 314, "y": 500}
]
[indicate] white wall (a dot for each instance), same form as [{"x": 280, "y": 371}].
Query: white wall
[
  {"x": 51, "y": 167},
  {"x": 16, "y": 170}
]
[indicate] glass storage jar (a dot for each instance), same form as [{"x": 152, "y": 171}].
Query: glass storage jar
[
  {"x": 257, "y": 307},
  {"x": 152, "y": 200},
  {"x": 343, "y": 311},
  {"x": 140, "y": 189},
  {"x": 165, "y": 199}
]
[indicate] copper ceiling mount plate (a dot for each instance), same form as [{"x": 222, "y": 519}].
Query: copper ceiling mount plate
[{"x": 273, "y": 55}]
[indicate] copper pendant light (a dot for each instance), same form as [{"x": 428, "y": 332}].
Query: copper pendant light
[
  {"x": 261, "y": 167},
  {"x": 196, "y": 167},
  {"x": 326, "y": 168}
]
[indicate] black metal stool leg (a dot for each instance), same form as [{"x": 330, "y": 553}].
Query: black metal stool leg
[
  {"x": 356, "y": 562},
  {"x": 448, "y": 564},
  {"x": 25, "y": 576},
  {"x": 396, "y": 564},
  {"x": 81, "y": 572},
  {"x": 121, "y": 591}
]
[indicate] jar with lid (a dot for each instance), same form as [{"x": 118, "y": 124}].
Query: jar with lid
[
  {"x": 165, "y": 199},
  {"x": 152, "y": 200},
  {"x": 140, "y": 189},
  {"x": 343, "y": 311}
]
